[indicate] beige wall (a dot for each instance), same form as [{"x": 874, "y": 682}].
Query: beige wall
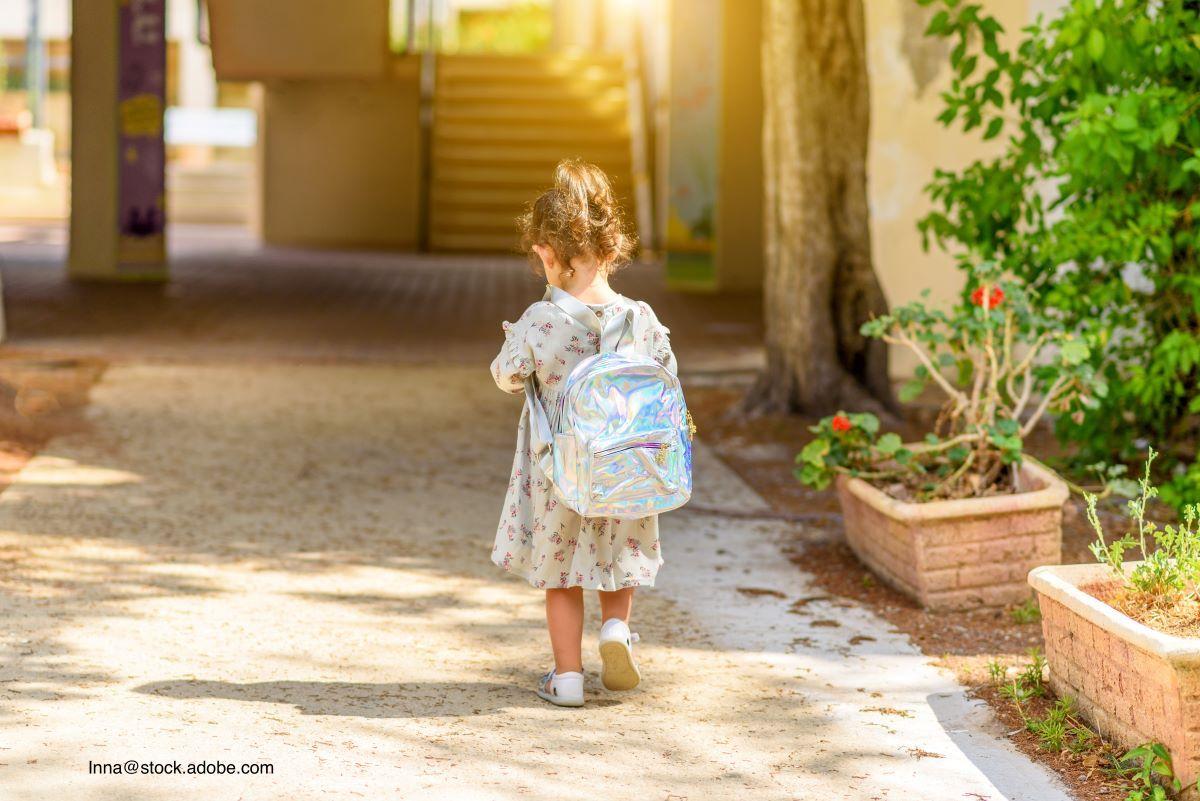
[
  {"x": 907, "y": 72},
  {"x": 340, "y": 161},
  {"x": 57, "y": 108},
  {"x": 260, "y": 39}
]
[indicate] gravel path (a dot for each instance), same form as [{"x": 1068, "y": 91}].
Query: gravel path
[{"x": 289, "y": 565}]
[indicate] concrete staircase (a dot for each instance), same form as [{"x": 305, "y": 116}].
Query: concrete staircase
[{"x": 500, "y": 125}]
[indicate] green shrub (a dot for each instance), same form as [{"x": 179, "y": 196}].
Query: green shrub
[
  {"x": 1001, "y": 366},
  {"x": 1093, "y": 199}
]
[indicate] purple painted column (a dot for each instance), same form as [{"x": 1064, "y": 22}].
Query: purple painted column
[{"x": 141, "y": 152}]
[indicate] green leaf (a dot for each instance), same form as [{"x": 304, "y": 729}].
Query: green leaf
[
  {"x": 910, "y": 390},
  {"x": 994, "y": 128},
  {"x": 1170, "y": 130},
  {"x": 814, "y": 452},
  {"x": 1095, "y": 44},
  {"x": 937, "y": 25},
  {"x": 889, "y": 444},
  {"x": 1125, "y": 122},
  {"x": 966, "y": 369},
  {"x": 1075, "y": 351},
  {"x": 1007, "y": 426},
  {"x": 813, "y": 476},
  {"x": 866, "y": 421}
]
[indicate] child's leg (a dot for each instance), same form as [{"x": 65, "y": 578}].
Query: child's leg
[
  {"x": 618, "y": 671},
  {"x": 564, "y": 619},
  {"x": 618, "y": 604}
]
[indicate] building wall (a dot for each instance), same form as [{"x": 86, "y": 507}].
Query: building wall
[
  {"x": 907, "y": 73},
  {"x": 340, "y": 162},
  {"x": 55, "y": 19}
]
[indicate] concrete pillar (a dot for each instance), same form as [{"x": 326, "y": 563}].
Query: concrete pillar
[{"x": 117, "y": 153}]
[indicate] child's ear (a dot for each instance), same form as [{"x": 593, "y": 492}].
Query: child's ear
[{"x": 546, "y": 254}]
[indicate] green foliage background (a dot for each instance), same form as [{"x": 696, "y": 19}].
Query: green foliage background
[
  {"x": 520, "y": 28},
  {"x": 1093, "y": 200}
]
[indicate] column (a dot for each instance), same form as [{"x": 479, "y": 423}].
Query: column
[{"x": 118, "y": 83}]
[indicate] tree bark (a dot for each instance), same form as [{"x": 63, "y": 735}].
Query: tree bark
[{"x": 819, "y": 285}]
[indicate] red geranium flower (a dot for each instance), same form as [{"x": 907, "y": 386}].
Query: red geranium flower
[
  {"x": 993, "y": 299},
  {"x": 842, "y": 423}
]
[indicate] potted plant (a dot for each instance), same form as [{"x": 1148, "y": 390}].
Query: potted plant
[
  {"x": 1123, "y": 638},
  {"x": 958, "y": 520}
]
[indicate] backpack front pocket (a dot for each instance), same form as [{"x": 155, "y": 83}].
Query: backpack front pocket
[{"x": 634, "y": 468}]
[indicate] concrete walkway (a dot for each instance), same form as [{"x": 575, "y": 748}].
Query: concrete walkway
[{"x": 289, "y": 565}]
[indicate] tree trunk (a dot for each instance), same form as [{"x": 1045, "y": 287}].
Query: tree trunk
[{"x": 819, "y": 285}]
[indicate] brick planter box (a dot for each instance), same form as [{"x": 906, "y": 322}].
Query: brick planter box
[
  {"x": 1136, "y": 685},
  {"x": 958, "y": 554}
]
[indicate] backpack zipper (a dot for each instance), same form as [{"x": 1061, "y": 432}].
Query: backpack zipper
[{"x": 660, "y": 457}]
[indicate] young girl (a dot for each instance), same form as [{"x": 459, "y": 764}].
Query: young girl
[{"x": 574, "y": 234}]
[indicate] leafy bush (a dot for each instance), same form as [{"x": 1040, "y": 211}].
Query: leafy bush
[
  {"x": 1001, "y": 365},
  {"x": 1170, "y": 556},
  {"x": 1092, "y": 199}
]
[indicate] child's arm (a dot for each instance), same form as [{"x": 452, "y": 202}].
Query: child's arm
[
  {"x": 658, "y": 341},
  {"x": 515, "y": 362}
]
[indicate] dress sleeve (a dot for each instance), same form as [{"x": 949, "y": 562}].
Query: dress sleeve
[
  {"x": 515, "y": 362},
  {"x": 658, "y": 341}
]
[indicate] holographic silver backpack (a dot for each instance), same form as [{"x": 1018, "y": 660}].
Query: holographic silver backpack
[{"x": 619, "y": 443}]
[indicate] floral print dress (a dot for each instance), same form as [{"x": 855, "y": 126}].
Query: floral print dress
[{"x": 539, "y": 538}]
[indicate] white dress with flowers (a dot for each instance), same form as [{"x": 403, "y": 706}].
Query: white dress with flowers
[{"x": 539, "y": 538}]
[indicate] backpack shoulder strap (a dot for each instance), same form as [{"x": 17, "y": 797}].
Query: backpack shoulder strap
[
  {"x": 612, "y": 335},
  {"x": 540, "y": 437},
  {"x": 573, "y": 306}
]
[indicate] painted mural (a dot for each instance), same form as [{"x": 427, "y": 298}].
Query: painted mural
[
  {"x": 693, "y": 146},
  {"x": 141, "y": 154}
]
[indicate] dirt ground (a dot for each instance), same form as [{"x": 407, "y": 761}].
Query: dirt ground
[
  {"x": 42, "y": 395},
  {"x": 287, "y": 565}
]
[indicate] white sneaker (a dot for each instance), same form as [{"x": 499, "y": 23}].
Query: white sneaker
[
  {"x": 561, "y": 689},
  {"x": 616, "y": 652}
]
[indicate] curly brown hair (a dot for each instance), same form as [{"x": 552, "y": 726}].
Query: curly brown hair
[{"x": 578, "y": 216}]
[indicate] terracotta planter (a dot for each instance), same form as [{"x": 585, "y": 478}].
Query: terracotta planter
[
  {"x": 958, "y": 554},
  {"x": 1136, "y": 685}
]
